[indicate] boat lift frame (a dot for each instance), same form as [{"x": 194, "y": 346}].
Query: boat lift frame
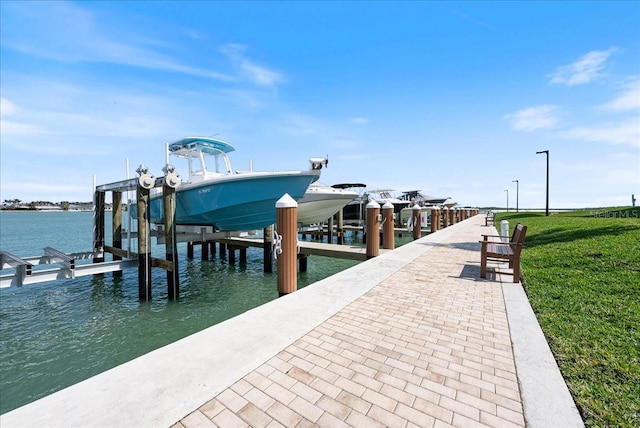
[{"x": 25, "y": 273}]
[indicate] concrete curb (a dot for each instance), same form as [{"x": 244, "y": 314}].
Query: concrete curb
[{"x": 545, "y": 397}]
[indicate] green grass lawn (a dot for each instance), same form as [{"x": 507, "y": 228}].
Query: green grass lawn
[{"x": 581, "y": 272}]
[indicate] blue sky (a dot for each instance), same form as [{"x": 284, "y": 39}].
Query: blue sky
[{"x": 453, "y": 98}]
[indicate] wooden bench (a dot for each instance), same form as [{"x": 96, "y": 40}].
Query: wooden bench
[
  {"x": 488, "y": 220},
  {"x": 500, "y": 251}
]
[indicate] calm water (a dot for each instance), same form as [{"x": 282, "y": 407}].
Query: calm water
[{"x": 55, "y": 334}]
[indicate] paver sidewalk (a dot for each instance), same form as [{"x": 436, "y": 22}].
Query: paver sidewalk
[{"x": 429, "y": 346}]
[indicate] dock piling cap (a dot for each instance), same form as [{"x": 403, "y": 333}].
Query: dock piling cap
[
  {"x": 387, "y": 205},
  {"x": 416, "y": 207},
  {"x": 286, "y": 201},
  {"x": 373, "y": 204}
]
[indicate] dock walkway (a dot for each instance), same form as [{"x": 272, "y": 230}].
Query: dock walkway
[
  {"x": 412, "y": 338},
  {"x": 308, "y": 248}
]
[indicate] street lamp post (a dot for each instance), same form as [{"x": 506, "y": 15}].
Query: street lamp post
[
  {"x": 517, "y": 192},
  {"x": 547, "y": 206},
  {"x": 507, "y": 190}
]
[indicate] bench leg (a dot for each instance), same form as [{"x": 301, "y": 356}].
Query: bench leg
[
  {"x": 483, "y": 263},
  {"x": 516, "y": 271}
]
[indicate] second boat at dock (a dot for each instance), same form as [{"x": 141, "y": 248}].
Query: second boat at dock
[{"x": 321, "y": 202}]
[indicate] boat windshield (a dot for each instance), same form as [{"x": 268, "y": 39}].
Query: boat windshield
[{"x": 198, "y": 150}]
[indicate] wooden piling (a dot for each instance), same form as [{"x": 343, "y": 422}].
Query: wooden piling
[
  {"x": 287, "y": 227},
  {"x": 373, "y": 229},
  {"x": 452, "y": 216},
  {"x": 204, "y": 245},
  {"x": 144, "y": 244},
  {"x": 116, "y": 221},
  {"x": 388, "y": 236},
  {"x": 417, "y": 226},
  {"x": 330, "y": 230},
  {"x": 267, "y": 249},
  {"x": 171, "y": 245},
  {"x": 435, "y": 219},
  {"x": 232, "y": 254},
  {"x": 302, "y": 263},
  {"x": 98, "y": 226},
  {"x": 190, "y": 250},
  {"x": 340, "y": 228},
  {"x": 445, "y": 216}
]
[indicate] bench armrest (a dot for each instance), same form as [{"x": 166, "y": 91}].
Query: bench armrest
[
  {"x": 490, "y": 236},
  {"x": 511, "y": 244}
]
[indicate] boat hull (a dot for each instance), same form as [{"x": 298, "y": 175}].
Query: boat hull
[
  {"x": 318, "y": 207},
  {"x": 235, "y": 202}
]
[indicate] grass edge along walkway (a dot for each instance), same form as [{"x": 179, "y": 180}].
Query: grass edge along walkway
[{"x": 580, "y": 271}]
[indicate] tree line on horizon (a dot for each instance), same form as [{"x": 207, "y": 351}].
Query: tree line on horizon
[{"x": 18, "y": 204}]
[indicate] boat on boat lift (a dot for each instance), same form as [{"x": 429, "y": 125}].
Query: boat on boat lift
[
  {"x": 321, "y": 202},
  {"x": 354, "y": 211},
  {"x": 216, "y": 195},
  {"x": 382, "y": 196}
]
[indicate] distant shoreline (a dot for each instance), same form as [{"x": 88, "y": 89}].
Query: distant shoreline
[{"x": 52, "y": 210}]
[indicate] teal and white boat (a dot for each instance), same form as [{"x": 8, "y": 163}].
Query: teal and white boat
[{"x": 216, "y": 195}]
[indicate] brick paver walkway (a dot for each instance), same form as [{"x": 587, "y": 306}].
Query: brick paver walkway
[{"x": 428, "y": 347}]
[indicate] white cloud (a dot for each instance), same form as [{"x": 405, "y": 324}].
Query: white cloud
[
  {"x": 257, "y": 74},
  {"x": 625, "y": 132},
  {"x": 359, "y": 121},
  {"x": 584, "y": 70},
  {"x": 14, "y": 127},
  {"x": 629, "y": 99},
  {"x": 7, "y": 108},
  {"x": 533, "y": 118},
  {"x": 9, "y": 127},
  {"x": 70, "y": 33}
]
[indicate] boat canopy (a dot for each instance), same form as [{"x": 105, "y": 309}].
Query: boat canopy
[
  {"x": 207, "y": 146},
  {"x": 348, "y": 185}
]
